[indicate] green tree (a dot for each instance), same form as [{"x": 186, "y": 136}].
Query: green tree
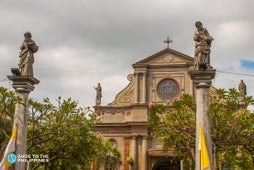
[
  {"x": 231, "y": 125},
  {"x": 107, "y": 156},
  {"x": 175, "y": 127},
  {"x": 64, "y": 133},
  {"x": 232, "y": 129}
]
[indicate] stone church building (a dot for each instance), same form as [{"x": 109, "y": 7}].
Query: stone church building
[{"x": 158, "y": 78}]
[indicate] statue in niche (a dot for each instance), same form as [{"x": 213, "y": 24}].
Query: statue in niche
[
  {"x": 242, "y": 89},
  {"x": 98, "y": 95},
  {"x": 203, "y": 43},
  {"x": 26, "y": 55}
]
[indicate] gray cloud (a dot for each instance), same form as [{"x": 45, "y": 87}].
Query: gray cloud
[{"x": 84, "y": 42}]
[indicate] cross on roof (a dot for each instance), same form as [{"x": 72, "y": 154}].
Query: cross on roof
[{"x": 168, "y": 40}]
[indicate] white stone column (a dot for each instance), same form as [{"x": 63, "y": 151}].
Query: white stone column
[
  {"x": 202, "y": 80},
  {"x": 20, "y": 120},
  {"x": 23, "y": 85},
  {"x": 203, "y": 120}
]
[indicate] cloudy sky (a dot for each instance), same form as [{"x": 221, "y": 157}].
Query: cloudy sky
[{"x": 83, "y": 42}]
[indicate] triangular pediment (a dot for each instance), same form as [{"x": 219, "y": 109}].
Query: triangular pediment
[{"x": 166, "y": 57}]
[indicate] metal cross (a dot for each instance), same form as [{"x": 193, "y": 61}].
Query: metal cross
[{"x": 168, "y": 40}]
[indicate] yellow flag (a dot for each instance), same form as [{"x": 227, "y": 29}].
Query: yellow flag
[
  {"x": 5, "y": 164},
  {"x": 204, "y": 158}
]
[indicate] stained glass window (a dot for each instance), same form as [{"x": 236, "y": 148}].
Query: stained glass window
[{"x": 167, "y": 89}]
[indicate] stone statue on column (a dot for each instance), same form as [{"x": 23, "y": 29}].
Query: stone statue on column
[
  {"x": 242, "y": 89},
  {"x": 203, "y": 43},
  {"x": 26, "y": 55},
  {"x": 202, "y": 76},
  {"x": 23, "y": 83},
  {"x": 98, "y": 95}
]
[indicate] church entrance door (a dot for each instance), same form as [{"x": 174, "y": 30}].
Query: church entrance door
[{"x": 167, "y": 165}]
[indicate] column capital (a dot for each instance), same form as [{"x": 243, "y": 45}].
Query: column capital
[
  {"x": 23, "y": 84},
  {"x": 202, "y": 76}
]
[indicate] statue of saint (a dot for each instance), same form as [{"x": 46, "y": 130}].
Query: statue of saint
[
  {"x": 203, "y": 43},
  {"x": 98, "y": 95},
  {"x": 26, "y": 55},
  {"x": 242, "y": 89}
]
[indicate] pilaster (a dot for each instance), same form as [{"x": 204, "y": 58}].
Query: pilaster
[
  {"x": 136, "y": 98},
  {"x": 144, "y": 87},
  {"x": 144, "y": 153},
  {"x": 133, "y": 152}
]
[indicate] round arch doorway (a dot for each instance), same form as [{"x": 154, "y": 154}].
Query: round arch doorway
[{"x": 167, "y": 164}]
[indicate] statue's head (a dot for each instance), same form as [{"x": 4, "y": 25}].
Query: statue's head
[
  {"x": 198, "y": 24},
  {"x": 28, "y": 35}
]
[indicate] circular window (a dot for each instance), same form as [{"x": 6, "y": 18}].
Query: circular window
[{"x": 167, "y": 89}]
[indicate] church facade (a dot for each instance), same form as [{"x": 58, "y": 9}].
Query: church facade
[{"x": 158, "y": 78}]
